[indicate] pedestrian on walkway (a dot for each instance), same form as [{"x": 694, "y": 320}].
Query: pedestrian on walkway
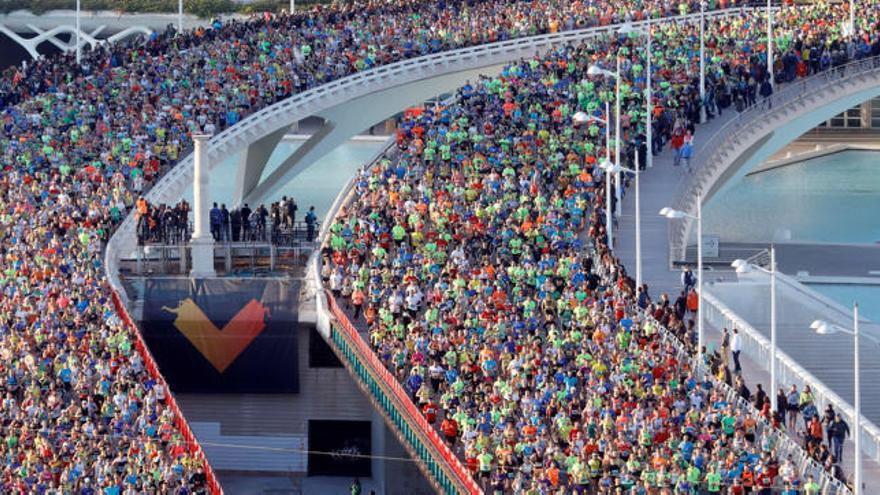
[
  {"x": 735, "y": 349},
  {"x": 792, "y": 406},
  {"x": 781, "y": 405},
  {"x": 311, "y": 220},
  {"x": 725, "y": 347},
  {"x": 838, "y": 431},
  {"x": 688, "y": 281}
]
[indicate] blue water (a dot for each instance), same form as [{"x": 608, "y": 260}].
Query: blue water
[
  {"x": 316, "y": 186},
  {"x": 835, "y": 198},
  {"x": 868, "y": 297}
]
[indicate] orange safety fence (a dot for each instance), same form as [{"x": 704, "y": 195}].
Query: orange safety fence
[{"x": 418, "y": 419}]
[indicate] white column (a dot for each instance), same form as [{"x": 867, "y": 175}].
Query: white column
[
  {"x": 638, "y": 225},
  {"x": 202, "y": 241},
  {"x": 617, "y": 137},
  {"x": 857, "y": 430},
  {"x": 179, "y": 16},
  {"x": 292, "y": 6},
  {"x": 700, "y": 309},
  {"x": 608, "y": 221},
  {"x": 773, "y": 384},
  {"x": 770, "y": 41},
  {"x": 78, "y": 49},
  {"x": 703, "y": 62},
  {"x": 852, "y": 18},
  {"x": 649, "y": 133}
]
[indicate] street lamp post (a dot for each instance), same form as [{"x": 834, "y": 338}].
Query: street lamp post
[
  {"x": 852, "y": 18},
  {"x": 825, "y": 328},
  {"x": 703, "y": 62},
  {"x": 770, "y": 42},
  {"x": 616, "y": 168},
  {"x": 743, "y": 266},
  {"x": 649, "y": 133},
  {"x": 581, "y": 117},
  {"x": 179, "y": 16},
  {"x": 675, "y": 214},
  {"x": 78, "y": 44},
  {"x": 773, "y": 344},
  {"x": 595, "y": 70},
  {"x": 617, "y": 137}
]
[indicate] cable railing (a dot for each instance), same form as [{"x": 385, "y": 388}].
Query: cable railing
[
  {"x": 715, "y": 155},
  {"x": 789, "y": 372}
]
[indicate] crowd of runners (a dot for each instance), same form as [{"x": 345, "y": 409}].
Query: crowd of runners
[{"x": 489, "y": 212}]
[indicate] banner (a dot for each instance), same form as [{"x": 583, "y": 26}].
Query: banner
[
  {"x": 223, "y": 335},
  {"x": 340, "y": 448}
]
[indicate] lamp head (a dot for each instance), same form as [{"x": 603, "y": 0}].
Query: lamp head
[
  {"x": 595, "y": 70},
  {"x": 822, "y": 327},
  {"x": 670, "y": 213},
  {"x": 609, "y": 167},
  {"x": 580, "y": 117},
  {"x": 741, "y": 266}
]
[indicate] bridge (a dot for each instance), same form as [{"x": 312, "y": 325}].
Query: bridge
[
  {"x": 376, "y": 94},
  {"x": 727, "y": 148},
  {"x": 30, "y": 30},
  {"x": 347, "y": 106},
  {"x": 745, "y": 142}
]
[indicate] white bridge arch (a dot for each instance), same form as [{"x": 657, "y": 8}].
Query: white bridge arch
[
  {"x": 758, "y": 132},
  {"x": 51, "y": 35},
  {"x": 349, "y": 105}
]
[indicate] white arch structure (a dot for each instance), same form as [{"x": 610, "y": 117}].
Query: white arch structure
[
  {"x": 348, "y": 106},
  {"x": 757, "y": 133},
  {"x": 50, "y": 35}
]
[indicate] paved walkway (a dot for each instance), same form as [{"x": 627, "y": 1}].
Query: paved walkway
[
  {"x": 754, "y": 373},
  {"x": 658, "y": 186}
]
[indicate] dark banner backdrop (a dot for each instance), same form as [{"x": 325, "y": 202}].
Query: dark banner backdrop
[
  {"x": 223, "y": 335},
  {"x": 332, "y": 445}
]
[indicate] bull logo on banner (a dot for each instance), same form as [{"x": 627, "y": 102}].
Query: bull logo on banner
[
  {"x": 224, "y": 335},
  {"x": 219, "y": 347}
]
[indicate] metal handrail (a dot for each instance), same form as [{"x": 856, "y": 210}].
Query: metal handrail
[
  {"x": 709, "y": 155},
  {"x": 830, "y": 485},
  {"x": 757, "y": 347}
]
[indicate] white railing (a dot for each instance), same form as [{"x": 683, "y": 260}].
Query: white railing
[
  {"x": 715, "y": 155},
  {"x": 789, "y": 372},
  {"x": 171, "y": 186},
  {"x": 785, "y": 445},
  {"x": 313, "y": 267}
]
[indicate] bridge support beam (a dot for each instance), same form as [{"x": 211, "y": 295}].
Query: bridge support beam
[
  {"x": 341, "y": 122},
  {"x": 253, "y": 162}
]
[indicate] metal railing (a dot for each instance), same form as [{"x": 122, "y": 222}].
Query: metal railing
[
  {"x": 786, "y": 447},
  {"x": 716, "y": 154},
  {"x": 434, "y": 455},
  {"x": 784, "y": 444},
  {"x": 789, "y": 372}
]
